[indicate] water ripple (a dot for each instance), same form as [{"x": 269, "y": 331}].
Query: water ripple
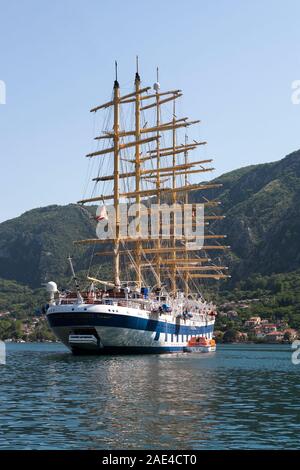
[{"x": 242, "y": 397}]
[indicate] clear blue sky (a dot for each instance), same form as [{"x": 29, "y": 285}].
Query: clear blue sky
[{"x": 234, "y": 59}]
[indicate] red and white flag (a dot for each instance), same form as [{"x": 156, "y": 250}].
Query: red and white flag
[{"x": 101, "y": 213}]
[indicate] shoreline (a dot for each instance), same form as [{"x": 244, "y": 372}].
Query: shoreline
[{"x": 264, "y": 343}]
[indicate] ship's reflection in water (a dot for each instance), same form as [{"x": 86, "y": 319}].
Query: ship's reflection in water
[
  {"x": 240, "y": 397},
  {"x": 155, "y": 400}
]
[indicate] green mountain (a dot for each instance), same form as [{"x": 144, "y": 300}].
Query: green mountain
[
  {"x": 34, "y": 247},
  {"x": 262, "y": 223},
  {"x": 261, "y": 203}
]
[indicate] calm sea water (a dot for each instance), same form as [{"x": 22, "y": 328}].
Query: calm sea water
[{"x": 241, "y": 397}]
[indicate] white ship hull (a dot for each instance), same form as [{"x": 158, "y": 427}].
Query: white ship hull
[{"x": 106, "y": 329}]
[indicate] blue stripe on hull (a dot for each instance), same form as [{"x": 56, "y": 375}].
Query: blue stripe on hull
[
  {"x": 128, "y": 350},
  {"x": 77, "y": 320}
]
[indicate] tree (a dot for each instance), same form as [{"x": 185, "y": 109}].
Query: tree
[{"x": 230, "y": 336}]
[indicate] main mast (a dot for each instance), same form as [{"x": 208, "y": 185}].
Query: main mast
[
  {"x": 157, "y": 101},
  {"x": 186, "y": 201},
  {"x": 138, "y": 173},
  {"x": 116, "y": 106},
  {"x": 173, "y": 228}
]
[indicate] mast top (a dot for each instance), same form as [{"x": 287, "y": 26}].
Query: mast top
[
  {"x": 137, "y": 76},
  {"x": 116, "y": 83}
]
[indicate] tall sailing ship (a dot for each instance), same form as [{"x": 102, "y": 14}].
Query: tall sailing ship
[{"x": 153, "y": 303}]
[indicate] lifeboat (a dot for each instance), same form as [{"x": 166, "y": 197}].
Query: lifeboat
[{"x": 200, "y": 344}]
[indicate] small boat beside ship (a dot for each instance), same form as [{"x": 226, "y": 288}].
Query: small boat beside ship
[{"x": 200, "y": 344}]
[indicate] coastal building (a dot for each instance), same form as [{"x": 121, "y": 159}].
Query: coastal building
[
  {"x": 231, "y": 314},
  {"x": 274, "y": 337},
  {"x": 270, "y": 328},
  {"x": 252, "y": 322}
]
